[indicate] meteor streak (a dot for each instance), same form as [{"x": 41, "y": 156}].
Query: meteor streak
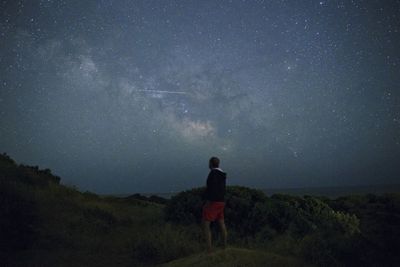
[{"x": 161, "y": 91}]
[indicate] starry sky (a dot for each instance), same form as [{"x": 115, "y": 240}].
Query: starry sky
[{"x": 136, "y": 96}]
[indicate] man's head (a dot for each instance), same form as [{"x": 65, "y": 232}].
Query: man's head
[{"x": 213, "y": 163}]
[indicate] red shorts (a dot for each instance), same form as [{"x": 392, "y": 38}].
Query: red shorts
[{"x": 214, "y": 210}]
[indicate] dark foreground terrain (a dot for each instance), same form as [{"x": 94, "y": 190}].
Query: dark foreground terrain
[{"x": 45, "y": 223}]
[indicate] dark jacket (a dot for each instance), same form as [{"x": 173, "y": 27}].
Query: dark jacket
[{"x": 216, "y": 182}]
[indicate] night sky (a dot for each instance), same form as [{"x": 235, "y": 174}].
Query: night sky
[{"x": 136, "y": 96}]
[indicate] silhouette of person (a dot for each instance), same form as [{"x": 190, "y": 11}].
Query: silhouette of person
[{"x": 213, "y": 209}]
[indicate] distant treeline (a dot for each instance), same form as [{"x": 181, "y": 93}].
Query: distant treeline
[
  {"x": 152, "y": 198},
  {"x": 27, "y": 174}
]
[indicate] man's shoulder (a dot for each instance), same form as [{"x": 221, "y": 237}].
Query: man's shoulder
[{"x": 217, "y": 173}]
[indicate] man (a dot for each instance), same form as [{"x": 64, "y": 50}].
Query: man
[{"x": 213, "y": 209}]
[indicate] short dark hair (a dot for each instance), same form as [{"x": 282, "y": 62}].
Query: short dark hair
[{"x": 214, "y": 162}]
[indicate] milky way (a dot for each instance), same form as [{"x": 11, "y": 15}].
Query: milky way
[{"x": 136, "y": 96}]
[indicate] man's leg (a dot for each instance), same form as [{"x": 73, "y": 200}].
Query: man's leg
[
  {"x": 207, "y": 233},
  {"x": 222, "y": 226}
]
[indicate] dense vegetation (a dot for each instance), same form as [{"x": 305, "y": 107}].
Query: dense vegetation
[
  {"x": 359, "y": 230},
  {"x": 44, "y": 223}
]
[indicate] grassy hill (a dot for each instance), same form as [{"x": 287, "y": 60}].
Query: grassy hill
[{"x": 45, "y": 223}]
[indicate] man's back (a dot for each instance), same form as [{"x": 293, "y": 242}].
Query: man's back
[{"x": 216, "y": 183}]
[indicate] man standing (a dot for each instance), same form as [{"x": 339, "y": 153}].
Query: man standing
[{"x": 213, "y": 209}]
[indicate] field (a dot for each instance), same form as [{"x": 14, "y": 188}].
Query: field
[{"x": 45, "y": 223}]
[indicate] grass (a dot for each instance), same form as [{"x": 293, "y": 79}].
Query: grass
[
  {"x": 66, "y": 227},
  {"x": 79, "y": 232},
  {"x": 45, "y": 223},
  {"x": 82, "y": 229},
  {"x": 235, "y": 257}
]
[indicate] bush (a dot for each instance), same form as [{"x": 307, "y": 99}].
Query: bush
[
  {"x": 379, "y": 215},
  {"x": 18, "y": 219},
  {"x": 245, "y": 211},
  {"x": 185, "y": 207},
  {"x": 321, "y": 232}
]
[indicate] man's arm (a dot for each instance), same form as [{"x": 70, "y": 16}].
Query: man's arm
[{"x": 206, "y": 192}]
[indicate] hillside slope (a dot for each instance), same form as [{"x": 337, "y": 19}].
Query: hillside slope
[{"x": 45, "y": 223}]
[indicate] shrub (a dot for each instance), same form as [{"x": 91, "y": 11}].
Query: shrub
[
  {"x": 18, "y": 218},
  {"x": 250, "y": 215},
  {"x": 185, "y": 207},
  {"x": 245, "y": 212}
]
